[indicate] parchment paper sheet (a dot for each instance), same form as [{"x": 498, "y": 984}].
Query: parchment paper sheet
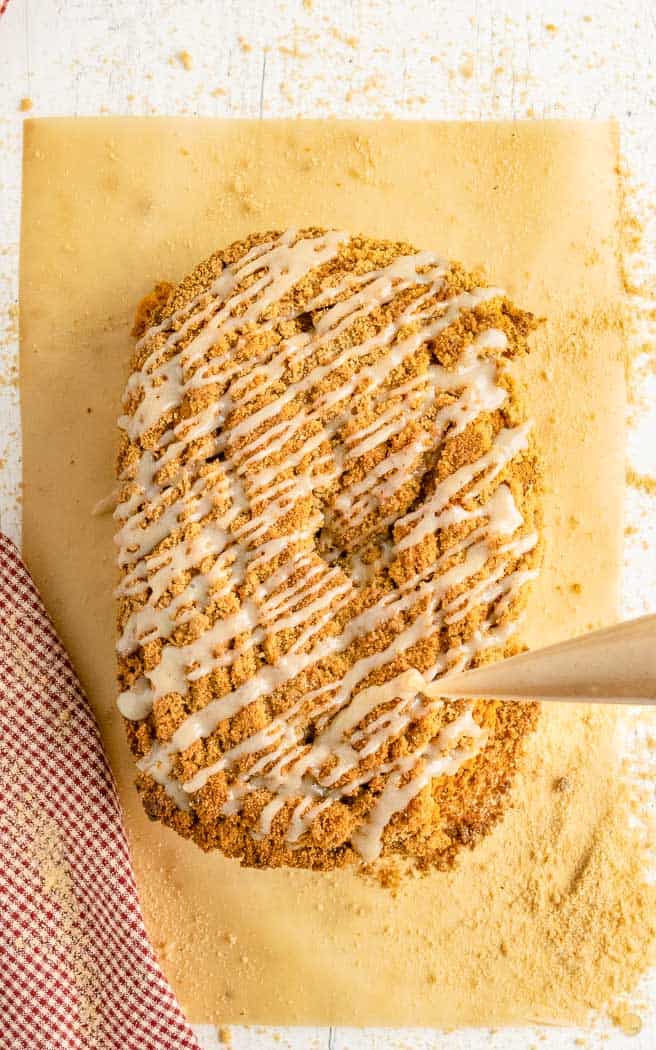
[{"x": 112, "y": 205}]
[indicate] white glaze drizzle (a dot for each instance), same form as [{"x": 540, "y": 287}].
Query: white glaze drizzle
[{"x": 233, "y": 503}]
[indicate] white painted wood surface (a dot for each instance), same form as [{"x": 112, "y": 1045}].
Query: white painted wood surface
[{"x": 463, "y": 59}]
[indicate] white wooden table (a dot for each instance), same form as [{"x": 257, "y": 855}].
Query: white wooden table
[{"x": 465, "y": 59}]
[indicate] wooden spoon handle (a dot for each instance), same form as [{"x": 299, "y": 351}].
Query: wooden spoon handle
[{"x": 616, "y": 665}]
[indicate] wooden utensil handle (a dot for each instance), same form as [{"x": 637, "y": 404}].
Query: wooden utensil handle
[{"x": 614, "y": 665}]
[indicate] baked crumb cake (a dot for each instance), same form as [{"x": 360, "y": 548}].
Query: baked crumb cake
[{"x": 328, "y": 497}]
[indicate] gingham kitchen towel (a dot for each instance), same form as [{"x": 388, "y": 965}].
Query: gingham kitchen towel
[{"x": 77, "y": 970}]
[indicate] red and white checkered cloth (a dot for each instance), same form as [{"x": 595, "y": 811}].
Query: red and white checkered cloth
[{"x": 77, "y": 970}]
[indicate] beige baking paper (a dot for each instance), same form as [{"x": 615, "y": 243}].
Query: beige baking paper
[{"x": 112, "y": 205}]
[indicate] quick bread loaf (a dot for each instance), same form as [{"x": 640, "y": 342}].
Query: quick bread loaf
[{"x": 328, "y": 497}]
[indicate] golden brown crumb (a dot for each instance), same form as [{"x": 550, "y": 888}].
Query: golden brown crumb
[
  {"x": 185, "y": 60},
  {"x": 25, "y": 105}
]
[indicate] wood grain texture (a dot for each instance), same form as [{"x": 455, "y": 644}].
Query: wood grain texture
[{"x": 478, "y": 59}]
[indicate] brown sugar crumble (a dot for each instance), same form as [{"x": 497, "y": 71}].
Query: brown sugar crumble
[{"x": 306, "y": 619}]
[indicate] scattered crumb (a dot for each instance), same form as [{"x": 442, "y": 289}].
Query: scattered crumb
[
  {"x": 244, "y": 44},
  {"x": 185, "y": 59},
  {"x": 642, "y": 482},
  {"x": 344, "y": 38},
  {"x": 218, "y": 92},
  {"x": 165, "y": 949},
  {"x": 551, "y": 28},
  {"x": 627, "y": 1021},
  {"x": 293, "y": 51},
  {"x": 467, "y": 68},
  {"x": 25, "y": 105},
  {"x": 225, "y": 1035},
  {"x": 10, "y": 326}
]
